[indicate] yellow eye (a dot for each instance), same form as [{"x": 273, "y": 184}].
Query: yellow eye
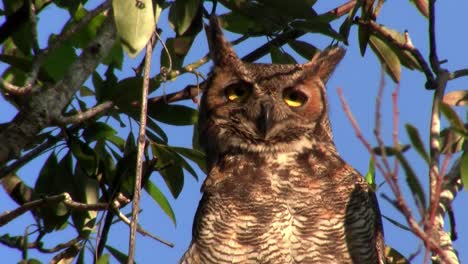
[
  {"x": 294, "y": 98},
  {"x": 237, "y": 92}
]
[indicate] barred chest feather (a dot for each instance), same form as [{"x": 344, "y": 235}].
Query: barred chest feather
[{"x": 307, "y": 207}]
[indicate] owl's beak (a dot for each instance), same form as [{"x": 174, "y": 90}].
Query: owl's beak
[{"x": 265, "y": 120}]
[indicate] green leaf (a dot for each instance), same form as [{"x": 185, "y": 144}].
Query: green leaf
[
  {"x": 194, "y": 155},
  {"x": 22, "y": 37},
  {"x": 240, "y": 24},
  {"x": 370, "y": 175},
  {"x": 178, "y": 48},
  {"x": 104, "y": 259},
  {"x": 135, "y": 23},
  {"x": 453, "y": 118},
  {"x": 280, "y": 57},
  {"x": 86, "y": 33},
  {"x": 127, "y": 92},
  {"x": 315, "y": 26},
  {"x": 417, "y": 142},
  {"x": 86, "y": 157},
  {"x": 182, "y": 13},
  {"x": 58, "y": 61},
  {"x": 160, "y": 199},
  {"x": 390, "y": 151},
  {"x": 118, "y": 255},
  {"x": 54, "y": 216},
  {"x": 169, "y": 166},
  {"x": 345, "y": 28},
  {"x": 387, "y": 57},
  {"x": 464, "y": 169},
  {"x": 451, "y": 140},
  {"x": 97, "y": 131},
  {"x": 151, "y": 124},
  {"x": 304, "y": 49},
  {"x": 413, "y": 182},
  {"x": 177, "y": 115}
]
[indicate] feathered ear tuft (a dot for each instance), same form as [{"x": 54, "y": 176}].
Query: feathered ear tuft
[
  {"x": 221, "y": 50},
  {"x": 324, "y": 63}
]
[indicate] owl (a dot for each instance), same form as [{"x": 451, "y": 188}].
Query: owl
[{"x": 277, "y": 191}]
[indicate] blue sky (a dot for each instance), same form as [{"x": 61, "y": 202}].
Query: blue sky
[{"x": 357, "y": 76}]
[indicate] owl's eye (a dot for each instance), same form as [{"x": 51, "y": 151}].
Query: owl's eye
[
  {"x": 294, "y": 98},
  {"x": 237, "y": 92}
]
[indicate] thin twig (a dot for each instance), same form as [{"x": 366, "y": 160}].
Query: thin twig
[
  {"x": 458, "y": 73},
  {"x": 433, "y": 58},
  {"x": 141, "y": 148},
  {"x": 86, "y": 115}
]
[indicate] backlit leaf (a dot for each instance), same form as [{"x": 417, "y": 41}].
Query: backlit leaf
[
  {"x": 280, "y": 57},
  {"x": 178, "y": 115},
  {"x": 135, "y": 23},
  {"x": 303, "y": 48},
  {"x": 182, "y": 14},
  {"x": 464, "y": 169}
]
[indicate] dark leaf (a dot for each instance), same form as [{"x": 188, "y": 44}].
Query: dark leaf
[
  {"x": 280, "y": 57},
  {"x": 160, "y": 199},
  {"x": 417, "y": 142},
  {"x": 390, "y": 151},
  {"x": 396, "y": 223},
  {"x": 317, "y": 27},
  {"x": 178, "y": 115},
  {"x": 413, "y": 182},
  {"x": 58, "y": 61},
  {"x": 240, "y": 24},
  {"x": 86, "y": 157},
  {"x": 451, "y": 141},
  {"x": 169, "y": 166},
  {"x": 151, "y": 124},
  {"x": 346, "y": 26},
  {"x": 304, "y": 49},
  {"x": 118, "y": 255},
  {"x": 128, "y": 91},
  {"x": 182, "y": 13},
  {"x": 194, "y": 155}
]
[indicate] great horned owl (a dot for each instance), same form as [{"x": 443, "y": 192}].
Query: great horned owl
[{"x": 277, "y": 191}]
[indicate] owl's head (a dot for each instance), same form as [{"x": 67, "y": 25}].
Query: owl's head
[{"x": 264, "y": 107}]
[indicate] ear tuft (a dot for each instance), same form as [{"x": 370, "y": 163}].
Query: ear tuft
[
  {"x": 324, "y": 63},
  {"x": 221, "y": 50}
]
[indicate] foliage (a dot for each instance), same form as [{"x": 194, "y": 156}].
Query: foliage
[{"x": 95, "y": 165}]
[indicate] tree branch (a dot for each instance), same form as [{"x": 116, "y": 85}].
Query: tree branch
[
  {"x": 86, "y": 115},
  {"x": 47, "y": 104}
]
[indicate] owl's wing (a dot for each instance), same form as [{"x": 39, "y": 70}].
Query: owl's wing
[{"x": 379, "y": 232}]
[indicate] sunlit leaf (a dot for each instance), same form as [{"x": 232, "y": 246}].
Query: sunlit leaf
[
  {"x": 160, "y": 199},
  {"x": 417, "y": 142},
  {"x": 422, "y": 6},
  {"x": 451, "y": 140},
  {"x": 104, "y": 259},
  {"x": 135, "y": 23},
  {"x": 386, "y": 56},
  {"x": 456, "y": 98},
  {"x": 394, "y": 257}
]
